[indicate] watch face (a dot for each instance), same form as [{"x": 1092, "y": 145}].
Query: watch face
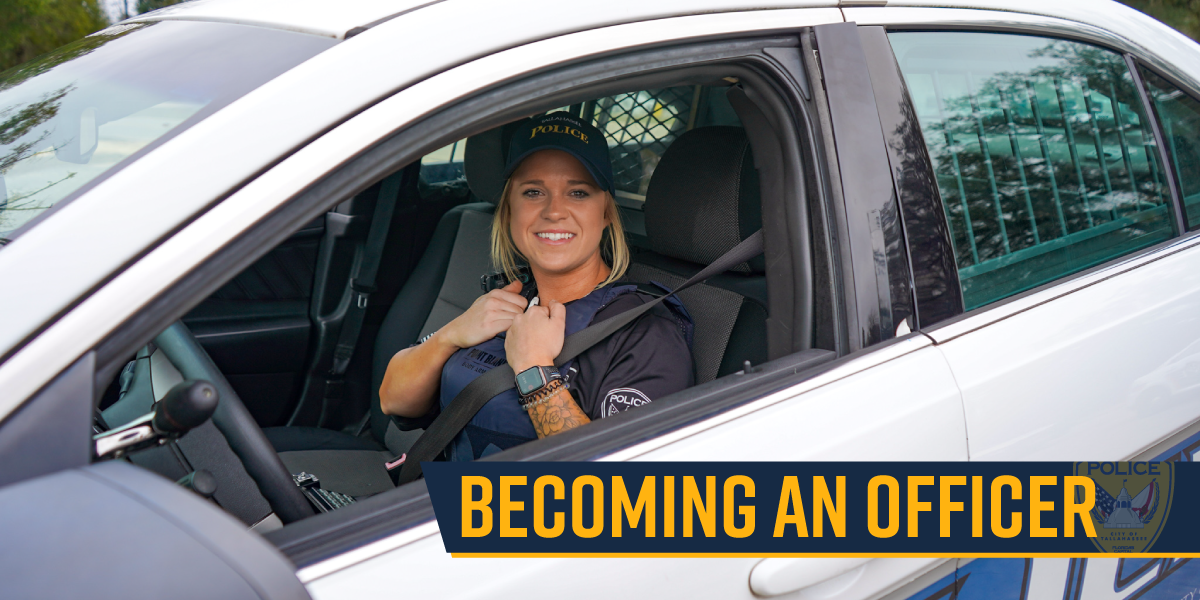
[{"x": 529, "y": 380}]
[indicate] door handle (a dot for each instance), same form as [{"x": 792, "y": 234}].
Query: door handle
[{"x": 775, "y": 576}]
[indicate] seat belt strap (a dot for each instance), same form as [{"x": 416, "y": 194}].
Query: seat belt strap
[
  {"x": 362, "y": 285},
  {"x": 471, "y": 399}
]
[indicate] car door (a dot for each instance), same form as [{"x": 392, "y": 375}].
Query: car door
[
  {"x": 1022, "y": 124},
  {"x": 1064, "y": 217},
  {"x": 888, "y": 398},
  {"x": 884, "y": 398}
]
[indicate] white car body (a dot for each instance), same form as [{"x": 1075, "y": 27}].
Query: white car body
[{"x": 1034, "y": 378}]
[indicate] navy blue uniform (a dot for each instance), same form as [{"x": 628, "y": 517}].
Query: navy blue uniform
[{"x": 646, "y": 359}]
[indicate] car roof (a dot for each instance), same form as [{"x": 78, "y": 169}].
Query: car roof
[
  {"x": 317, "y": 17},
  {"x": 344, "y": 19},
  {"x": 1133, "y": 25}
]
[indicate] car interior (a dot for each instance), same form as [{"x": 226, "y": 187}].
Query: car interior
[{"x": 297, "y": 343}]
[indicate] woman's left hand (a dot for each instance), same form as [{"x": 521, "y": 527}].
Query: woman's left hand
[{"x": 536, "y": 336}]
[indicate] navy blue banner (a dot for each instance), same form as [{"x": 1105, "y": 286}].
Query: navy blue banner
[{"x": 934, "y": 509}]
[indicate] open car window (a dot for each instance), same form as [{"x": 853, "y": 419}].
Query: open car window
[{"x": 245, "y": 330}]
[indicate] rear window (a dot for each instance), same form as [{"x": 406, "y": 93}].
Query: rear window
[{"x": 74, "y": 116}]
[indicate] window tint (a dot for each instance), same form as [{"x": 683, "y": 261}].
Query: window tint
[
  {"x": 1180, "y": 118},
  {"x": 1042, "y": 154}
]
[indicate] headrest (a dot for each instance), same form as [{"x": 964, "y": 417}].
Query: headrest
[
  {"x": 703, "y": 198},
  {"x": 484, "y": 158}
]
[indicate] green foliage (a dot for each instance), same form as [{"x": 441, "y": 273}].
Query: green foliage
[
  {"x": 23, "y": 127},
  {"x": 30, "y": 28},
  {"x": 1183, "y": 15},
  {"x": 145, "y": 6},
  {"x": 45, "y": 62}
]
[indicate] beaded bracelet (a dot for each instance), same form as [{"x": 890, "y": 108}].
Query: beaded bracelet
[{"x": 543, "y": 395}]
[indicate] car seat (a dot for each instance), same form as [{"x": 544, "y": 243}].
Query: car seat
[{"x": 702, "y": 201}]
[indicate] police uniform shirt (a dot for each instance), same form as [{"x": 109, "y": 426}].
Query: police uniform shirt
[
  {"x": 640, "y": 363},
  {"x": 643, "y": 361}
]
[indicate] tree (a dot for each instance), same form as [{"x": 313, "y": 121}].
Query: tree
[
  {"x": 145, "y": 6},
  {"x": 30, "y": 28},
  {"x": 1183, "y": 15}
]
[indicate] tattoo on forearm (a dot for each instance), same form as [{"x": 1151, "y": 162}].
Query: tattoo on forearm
[{"x": 559, "y": 413}]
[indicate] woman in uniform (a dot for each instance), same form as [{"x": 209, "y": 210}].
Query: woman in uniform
[{"x": 557, "y": 214}]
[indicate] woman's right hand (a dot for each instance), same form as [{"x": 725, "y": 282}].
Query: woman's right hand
[{"x": 490, "y": 315}]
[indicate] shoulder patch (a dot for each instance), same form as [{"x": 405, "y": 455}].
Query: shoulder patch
[{"x": 622, "y": 399}]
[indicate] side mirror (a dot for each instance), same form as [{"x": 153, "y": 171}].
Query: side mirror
[{"x": 186, "y": 406}]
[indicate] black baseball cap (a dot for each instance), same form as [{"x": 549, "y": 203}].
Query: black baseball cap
[{"x": 562, "y": 131}]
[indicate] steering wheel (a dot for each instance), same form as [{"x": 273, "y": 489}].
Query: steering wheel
[{"x": 245, "y": 437}]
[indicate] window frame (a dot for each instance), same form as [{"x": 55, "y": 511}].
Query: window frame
[
  {"x": 172, "y": 248},
  {"x": 1135, "y": 65},
  {"x": 743, "y": 56},
  {"x": 960, "y": 20},
  {"x": 926, "y": 231},
  {"x": 862, "y": 205}
]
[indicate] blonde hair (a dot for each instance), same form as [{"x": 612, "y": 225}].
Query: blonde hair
[{"x": 505, "y": 255}]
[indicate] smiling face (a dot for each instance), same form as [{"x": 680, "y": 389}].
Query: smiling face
[{"x": 557, "y": 215}]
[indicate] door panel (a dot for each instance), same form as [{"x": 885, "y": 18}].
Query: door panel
[
  {"x": 898, "y": 403},
  {"x": 907, "y": 408},
  {"x": 1053, "y": 382},
  {"x": 256, "y": 327},
  {"x": 445, "y": 577}
]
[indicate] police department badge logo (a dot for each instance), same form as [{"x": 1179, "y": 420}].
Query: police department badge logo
[
  {"x": 1132, "y": 502},
  {"x": 622, "y": 399}
]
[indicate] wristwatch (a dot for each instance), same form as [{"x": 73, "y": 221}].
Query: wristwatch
[{"x": 533, "y": 379}]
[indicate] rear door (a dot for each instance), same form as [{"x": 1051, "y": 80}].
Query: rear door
[
  {"x": 1048, "y": 167},
  {"x": 1064, "y": 222}
]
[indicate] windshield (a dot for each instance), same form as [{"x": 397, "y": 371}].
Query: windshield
[{"x": 71, "y": 117}]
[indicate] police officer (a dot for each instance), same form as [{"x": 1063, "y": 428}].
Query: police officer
[{"x": 557, "y": 214}]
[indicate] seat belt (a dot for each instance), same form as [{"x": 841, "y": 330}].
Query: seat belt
[
  {"x": 362, "y": 285},
  {"x": 471, "y": 399}
]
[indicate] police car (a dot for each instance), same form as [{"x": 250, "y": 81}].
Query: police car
[{"x": 978, "y": 223}]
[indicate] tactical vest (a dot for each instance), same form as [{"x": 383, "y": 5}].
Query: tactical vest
[{"x": 502, "y": 423}]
